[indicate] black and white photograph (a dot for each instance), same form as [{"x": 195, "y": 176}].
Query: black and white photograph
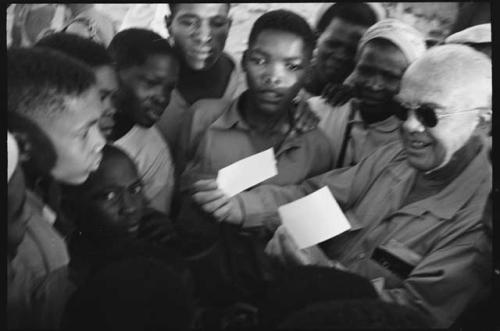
[{"x": 246, "y": 166}]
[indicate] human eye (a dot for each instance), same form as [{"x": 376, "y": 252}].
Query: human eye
[
  {"x": 257, "y": 59},
  {"x": 219, "y": 22},
  {"x": 294, "y": 66},
  {"x": 188, "y": 22},
  {"x": 84, "y": 134},
  {"x": 107, "y": 196},
  {"x": 136, "y": 188}
]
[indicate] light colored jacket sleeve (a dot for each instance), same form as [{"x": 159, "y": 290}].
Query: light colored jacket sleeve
[
  {"x": 260, "y": 205},
  {"x": 453, "y": 275}
]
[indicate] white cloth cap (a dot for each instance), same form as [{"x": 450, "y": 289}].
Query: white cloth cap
[
  {"x": 477, "y": 34},
  {"x": 12, "y": 155},
  {"x": 409, "y": 40}
]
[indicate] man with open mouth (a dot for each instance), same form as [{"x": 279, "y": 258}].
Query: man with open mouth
[
  {"x": 366, "y": 121},
  {"x": 416, "y": 206}
]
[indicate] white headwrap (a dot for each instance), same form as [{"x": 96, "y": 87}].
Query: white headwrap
[
  {"x": 377, "y": 8},
  {"x": 409, "y": 40},
  {"x": 12, "y": 155},
  {"x": 477, "y": 34}
]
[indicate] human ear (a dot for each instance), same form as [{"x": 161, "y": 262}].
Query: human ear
[
  {"x": 484, "y": 124},
  {"x": 244, "y": 60},
  {"x": 25, "y": 145}
]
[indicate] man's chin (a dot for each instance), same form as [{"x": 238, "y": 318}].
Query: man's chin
[{"x": 201, "y": 64}]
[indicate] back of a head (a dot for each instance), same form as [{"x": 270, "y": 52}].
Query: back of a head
[
  {"x": 132, "y": 294},
  {"x": 358, "y": 13},
  {"x": 91, "y": 53},
  {"x": 41, "y": 155},
  {"x": 355, "y": 314},
  {"x": 283, "y": 20},
  {"x": 306, "y": 285},
  {"x": 40, "y": 80},
  {"x": 456, "y": 70},
  {"x": 132, "y": 47}
]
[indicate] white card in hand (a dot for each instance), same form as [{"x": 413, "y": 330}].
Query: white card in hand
[
  {"x": 245, "y": 173},
  {"x": 314, "y": 218}
]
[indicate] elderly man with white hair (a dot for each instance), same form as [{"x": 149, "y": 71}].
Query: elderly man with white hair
[
  {"x": 415, "y": 206},
  {"x": 366, "y": 122}
]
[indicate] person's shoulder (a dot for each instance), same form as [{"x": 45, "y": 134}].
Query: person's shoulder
[
  {"x": 206, "y": 111},
  {"x": 322, "y": 108}
]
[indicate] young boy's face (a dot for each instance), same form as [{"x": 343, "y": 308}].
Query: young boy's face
[
  {"x": 146, "y": 89},
  {"x": 275, "y": 66},
  {"x": 107, "y": 83},
  {"x": 76, "y": 137},
  {"x": 200, "y": 32},
  {"x": 18, "y": 212},
  {"x": 113, "y": 198}
]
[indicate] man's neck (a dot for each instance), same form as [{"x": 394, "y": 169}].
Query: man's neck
[
  {"x": 315, "y": 83},
  {"x": 123, "y": 124},
  {"x": 203, "y": 84},
  {"x": 377, "y": 113},
  {"x": 259, "y": 120}
]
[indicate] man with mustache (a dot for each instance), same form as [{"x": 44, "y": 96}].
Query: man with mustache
[
  {"x": 147, "y": 72},
  {"x": 198, "y": 32},
  {"x": 415, "y": 206},
  {"x": 367, "y": 120}
]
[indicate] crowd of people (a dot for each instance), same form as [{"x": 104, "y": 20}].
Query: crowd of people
[{"x": 115, "y": 140}]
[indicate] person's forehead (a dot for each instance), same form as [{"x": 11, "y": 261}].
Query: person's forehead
[
  {"x": 114, "y": 170},
  {"x": 202, "y": 9},
  {"x": 159, "y": 65},
  {"x": 341, "y": 28},
  {"x": 270, "y": 41},
  {"x": 418, "y": 88},
  {"x": 385, "y": 55}
]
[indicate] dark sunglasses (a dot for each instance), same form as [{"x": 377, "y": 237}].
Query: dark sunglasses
[{"x": 425, "y": 114}]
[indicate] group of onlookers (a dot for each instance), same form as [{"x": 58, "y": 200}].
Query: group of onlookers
[{"x": 115, "y": 140}]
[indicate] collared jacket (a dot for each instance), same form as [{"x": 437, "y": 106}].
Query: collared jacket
[
  {"x": 433, "y": 254},
  {"x": 362, "y": 140},
  {"x": 178, "y": 113},
  {"x": 220, "y": 137}
]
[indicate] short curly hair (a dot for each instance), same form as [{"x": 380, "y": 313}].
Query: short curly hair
[
  {"x": 284, "y": 20},
  {"x": 357, "y": 13},
  {"x": 84, "y": 49},
  {"x": 131, "y": 47},
  {"x": 40, "y": 80}
]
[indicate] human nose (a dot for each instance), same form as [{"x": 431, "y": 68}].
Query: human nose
[
  {"x": 97, "y": 139},
  {"x": 203, "y": 32},
  {"x": 159, "y": 95},
  {"x": 274, "y": 75},
  {"x": 412, "y": 124},
  {"x": 375, "y": 82},
  {"x": 128, "y": 203}
]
